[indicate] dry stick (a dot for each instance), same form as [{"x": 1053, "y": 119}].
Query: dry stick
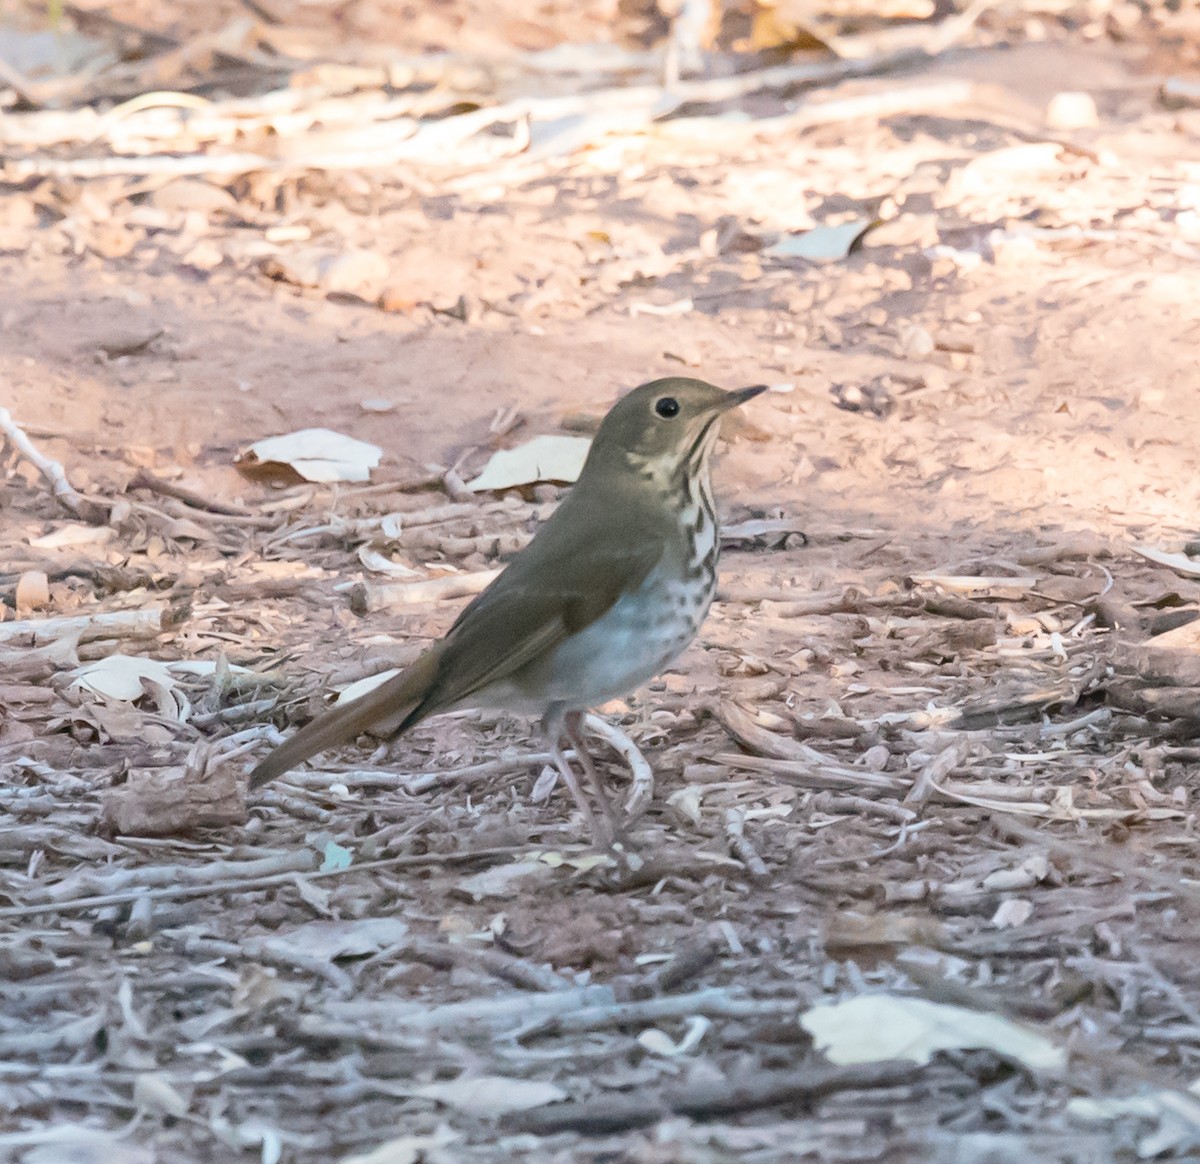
[
  {"x": 144, "y": 479},
  {"x": 816, "y": 773},
  {"x": 368, "y": 597},
  {"x": 577, "y": 1009},
  {"x": 68, "y": 497},
  {"x": 927, "y": 781},
  {"x": 128, "y": 624},
  {"x": 352, "y": 1018},
  {"x": 708, "y": 1100},
  {"x": 420, "y": 781},
  {"x": 497, "y": 963},
  {"x": 158, "y": 876},
  {"x": 742, "y": 849},
  {"x": 237, "y": 885},
  {"x": 713, "y": 1002}
]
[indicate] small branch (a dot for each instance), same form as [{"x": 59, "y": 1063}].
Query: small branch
[
  {"x": 497, "y": 963},
  {"x": 206, "y": 888},
  {"x": 113, "y": 624},
  {"x": 706, "y": 1099},
  {"x": 144, "y": 479},
  {"x": 368, "y": 597},
  {"x": 742, "y": 849},
  {"x": 67, "y": 496}
]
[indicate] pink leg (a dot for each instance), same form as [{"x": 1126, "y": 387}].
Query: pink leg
[{"x": 573, "y": 723}]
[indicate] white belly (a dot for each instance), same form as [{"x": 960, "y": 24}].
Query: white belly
[{"x": 632, "y": 642}]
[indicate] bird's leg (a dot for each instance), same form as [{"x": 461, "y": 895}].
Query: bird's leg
[
  {"x": 573, "y": 725},
  {"x": 553, "y": 725}
]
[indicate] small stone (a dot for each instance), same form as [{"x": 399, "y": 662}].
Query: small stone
[
  {"x": 128, "y": 341},
  {"x": 915, "y": 342},
  {"x": 33, "y": 591},
  {"x": 1072, "y": 110},
  {"x": 192, "y": 194},
  {"x": 204, "y": 256}
]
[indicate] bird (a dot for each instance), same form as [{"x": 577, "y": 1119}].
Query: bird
[{"x": 610, "y": 589}]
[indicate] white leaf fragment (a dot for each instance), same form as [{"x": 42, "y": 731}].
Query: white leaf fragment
[
  {"x": 361, "y": 687},
  {"x": 492, "y": 1095},
  {"x": 822, "y": 243},
  {"x": 1180, "y": 563},
  {"x": 328, "y": 940},
  {"x": 545, "y": 458},
  {"x": 406, "y": 1149},
  {"x": 504, "y": 881},
  {"x": 876, "y": 1027},
  {"x": 121, "y": 677},
  {"x": 154, "y": 1093},
  {"x": 317, "y": 454},
  {"x": 660, "y": 1043}
]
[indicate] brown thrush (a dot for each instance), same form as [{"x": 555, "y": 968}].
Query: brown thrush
[{"x": 610, "y": 590}]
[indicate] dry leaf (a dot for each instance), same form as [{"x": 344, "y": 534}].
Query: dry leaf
[
  {"x": 877, "y": 1027},
  {"x": 327, "y": 940},
  {"x": 545, "y": 458},
  {"x": 74, "y": 534},
  {"x": 122, "y": 677},
  {"x": 822, "y": 243},
  {"x": 492, "y": 1095},
  {"x": 315, "y": 454},
  {"x": 407, "y": 1150}
]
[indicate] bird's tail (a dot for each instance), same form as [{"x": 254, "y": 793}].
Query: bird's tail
[{"x": 385, "y": 709}]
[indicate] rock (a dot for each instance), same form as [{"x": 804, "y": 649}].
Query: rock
[
  {"x": 33, "y": 591},
  {"x": 192, "y": 194},
  {"x": 1072, "y": 110},
  {"x": 354, "y": 272}
]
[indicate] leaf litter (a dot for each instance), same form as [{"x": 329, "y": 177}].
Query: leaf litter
[{"x": 934, "y": 752}]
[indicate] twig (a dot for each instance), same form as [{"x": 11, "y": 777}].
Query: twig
[
  {"x": 113, "y": 624},
  {"x": 936, "y": 770},
  {"x": 241, "y": 885},
  {"x": 368, "y": 597},
  {"x": 497, "y": 963},
  {"x": 390, "y": 1015},
  {"x": 817, "y": 773},
  {"x": 713, "y": 1002},
  {"x": 707, "y": 1099},
  {"x": 742, "y": 849},
  {"x": 144, "y": 479},
  {"x": 68, "y": 497},
  {"x": 420, "y": 781}
]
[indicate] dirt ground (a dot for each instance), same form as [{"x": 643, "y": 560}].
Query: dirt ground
[{"x": 935, "y": 742}]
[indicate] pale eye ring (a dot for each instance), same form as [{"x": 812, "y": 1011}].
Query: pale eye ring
[{"x": 667, "y": 407}]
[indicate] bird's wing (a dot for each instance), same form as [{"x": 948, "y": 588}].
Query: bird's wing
[{"x": 558, "y": 586}]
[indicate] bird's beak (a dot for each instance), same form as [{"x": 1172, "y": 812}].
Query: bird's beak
[{"x": 741, "y": 395}]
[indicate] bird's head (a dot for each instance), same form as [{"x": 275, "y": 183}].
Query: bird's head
[{"x": 666, "y": 427}]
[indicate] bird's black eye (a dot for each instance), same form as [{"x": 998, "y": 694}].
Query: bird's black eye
[{"x": 667, "y": 407}]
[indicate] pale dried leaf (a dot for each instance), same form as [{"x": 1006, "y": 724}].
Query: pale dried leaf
[
  {"x": 74, "y": 534},
  {"x": 406, "y": 1149},
  {"x": 317, "y": 454},
  {"x": 877, "y": 1027},
  {"x": 545, "y": 458},
  {"x": 492, "y": 1095},
  {"x": 327, "y": 940},
  {"x": 122, "y": 677},
  {"x": 822, "y": 243}
]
